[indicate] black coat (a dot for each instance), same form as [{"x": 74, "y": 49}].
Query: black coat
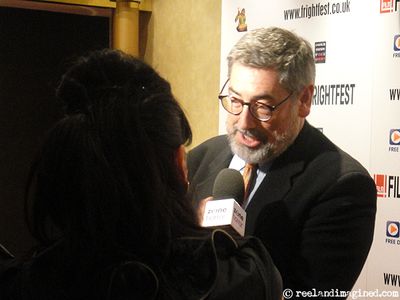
[
  {"x": 314, "y": 211},
  {"x": 213, "y": 267}
]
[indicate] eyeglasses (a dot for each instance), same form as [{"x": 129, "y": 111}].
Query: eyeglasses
[{"x": 258, "y": 110}]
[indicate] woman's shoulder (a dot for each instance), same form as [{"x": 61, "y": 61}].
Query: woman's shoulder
[{"x": 220, "y": 266}]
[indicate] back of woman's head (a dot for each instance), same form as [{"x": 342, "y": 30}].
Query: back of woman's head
[{"x": 107, "y": 175}]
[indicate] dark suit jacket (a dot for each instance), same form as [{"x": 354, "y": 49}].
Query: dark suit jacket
[{"x": 314, "y": 211}]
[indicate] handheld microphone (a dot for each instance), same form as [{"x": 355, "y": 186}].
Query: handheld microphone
[{"x": 225, "y": 209}]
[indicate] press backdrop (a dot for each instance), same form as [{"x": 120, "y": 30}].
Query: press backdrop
[{"x": 356, "y": 100}]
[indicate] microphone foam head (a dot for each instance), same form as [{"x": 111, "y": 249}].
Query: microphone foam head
[{"x": 229, "y": 184}]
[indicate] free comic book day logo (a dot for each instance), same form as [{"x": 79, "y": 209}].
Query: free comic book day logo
[
  {"x": 396, "y": 42},
  {"x": 387, "y": 186},
  {"x": 396, "y": 45},
  {"x": 392, "y": 229},
  {"x": 392, "y": 233},
  {"x": 395, "y": 137},
  {"x": 394, "y": 140},
  {"x": 389, "y": 6}
]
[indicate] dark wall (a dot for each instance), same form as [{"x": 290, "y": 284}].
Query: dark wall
[{"x": 35, "y": 48}]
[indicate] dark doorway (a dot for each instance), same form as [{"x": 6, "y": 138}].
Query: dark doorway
[{"x": 35, "y": 48}]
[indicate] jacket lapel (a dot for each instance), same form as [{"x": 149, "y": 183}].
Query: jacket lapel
[
  {"x": 275, "y": 186},
  {"x": 279, "y": 179}
]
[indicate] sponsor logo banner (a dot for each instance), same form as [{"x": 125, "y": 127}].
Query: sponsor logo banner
[
  {"x": 320, "y": 52},
  {"x": 392, "y": 233},
  {"x": 387, "y": 186},
  {"x": 396, "y": 45},
  {"x": 392, "y": 229},
  {"x": 334, "y": 94},
  {"x": 388, "y": 6},
  {"x": 394, "y": 140}
]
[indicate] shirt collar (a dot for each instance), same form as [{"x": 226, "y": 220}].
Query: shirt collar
[{"x": 238, "y": 164}]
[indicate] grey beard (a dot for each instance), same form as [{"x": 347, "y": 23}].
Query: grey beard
[{"x": 266, "y": 152}]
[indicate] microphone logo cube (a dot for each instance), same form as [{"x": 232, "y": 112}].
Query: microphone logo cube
[{"x": 225, "y": 212}]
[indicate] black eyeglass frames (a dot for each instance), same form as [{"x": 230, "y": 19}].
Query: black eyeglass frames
[{"x": 258, "y": 110}]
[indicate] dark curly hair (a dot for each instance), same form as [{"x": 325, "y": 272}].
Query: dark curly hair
[{"x": 107, "y": 175}]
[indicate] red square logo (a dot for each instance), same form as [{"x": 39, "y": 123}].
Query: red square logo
[
  {"x": 380, "y": 182},
  {"x": 386, "y": 6}
]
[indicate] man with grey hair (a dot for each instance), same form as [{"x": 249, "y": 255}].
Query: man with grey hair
[{"x": 312, "y": 204}]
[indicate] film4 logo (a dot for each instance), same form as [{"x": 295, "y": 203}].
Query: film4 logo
[
  {"x": 389, "y": 6},
  {"x": 387, "y": 186}
]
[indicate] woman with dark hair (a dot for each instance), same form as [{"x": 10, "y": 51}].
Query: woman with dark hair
[{"x": 107, "y": 202}]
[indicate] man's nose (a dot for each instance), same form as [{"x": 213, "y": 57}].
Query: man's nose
[{"x": 246, "y": 119}]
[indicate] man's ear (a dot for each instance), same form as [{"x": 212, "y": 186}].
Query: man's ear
[
  {"x": 305, "y": 99},
  {"x": 181, "y": 162}
]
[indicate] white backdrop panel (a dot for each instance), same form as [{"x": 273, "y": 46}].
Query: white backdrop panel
[{"x": 361, "y": 110}]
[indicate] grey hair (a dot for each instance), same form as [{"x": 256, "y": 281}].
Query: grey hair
[{"x": 276, "y": 48}]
